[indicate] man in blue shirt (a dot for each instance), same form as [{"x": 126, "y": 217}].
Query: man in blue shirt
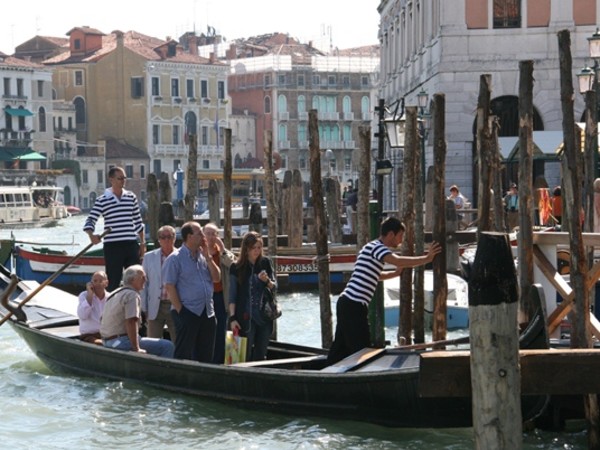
[{"x": 189, "y": 275}]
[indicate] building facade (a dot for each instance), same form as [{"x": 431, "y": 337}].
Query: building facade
[
  {"x": 26, "y": 110},
  {"x": 144, "y": 95},
  {"x": 444, "y": 46},
  {"x": 279, "y": 80}
]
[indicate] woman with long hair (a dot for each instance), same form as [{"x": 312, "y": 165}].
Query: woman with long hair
[{"x": 249, "y": 277}]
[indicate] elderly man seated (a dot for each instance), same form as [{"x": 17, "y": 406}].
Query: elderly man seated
[
  {"x": 121, "y": 318},
  {"x": 91, "y": 305}
]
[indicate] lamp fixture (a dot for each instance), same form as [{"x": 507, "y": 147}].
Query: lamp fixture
[
  {"x": 383, "y": 167},
  {"x": 585, "y": 77},
  {"x": 394, "y": 130}
]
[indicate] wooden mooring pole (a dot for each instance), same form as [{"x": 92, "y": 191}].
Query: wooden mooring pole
[
  {"x": 316, "y": 184},
  {"x": 495, "y": 376}
]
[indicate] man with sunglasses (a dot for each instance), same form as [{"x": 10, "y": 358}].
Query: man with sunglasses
[
  {"x": 125, "y": 245},
  {"x": 155, "y": 301}
]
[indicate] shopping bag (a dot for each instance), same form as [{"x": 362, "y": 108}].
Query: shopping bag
[{"x": 235, "y": 348}]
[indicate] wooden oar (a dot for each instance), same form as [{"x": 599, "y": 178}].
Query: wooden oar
[
  {"x": 52, "y": 277},
  {"x": 461, "y": 340}
]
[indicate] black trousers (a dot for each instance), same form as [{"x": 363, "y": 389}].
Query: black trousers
[
  {"x": 352, "y": 330},
  {"x": 195, "y": 335},
  {"x": 221, "y": 315},
  {"x": 117, "y": 257}
]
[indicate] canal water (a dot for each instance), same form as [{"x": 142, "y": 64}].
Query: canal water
[{"x": 41, "y": 409}]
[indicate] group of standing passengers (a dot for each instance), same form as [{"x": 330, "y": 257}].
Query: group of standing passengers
[{"x": 180, "y": 288}]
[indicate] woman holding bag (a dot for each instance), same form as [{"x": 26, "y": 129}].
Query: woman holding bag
[{"x": 249, "y": 277}]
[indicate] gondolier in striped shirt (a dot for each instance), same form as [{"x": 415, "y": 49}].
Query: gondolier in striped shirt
[
  {"x": 352, "y": 330},
  {"x": 125, "y": 244}
]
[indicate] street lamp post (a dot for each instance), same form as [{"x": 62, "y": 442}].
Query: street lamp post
[
  {"x": 422, "y": 101},
  {"x": 588, "y": 81}
]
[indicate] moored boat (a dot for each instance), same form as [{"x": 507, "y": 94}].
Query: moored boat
[
  {"x": 30, "y": 205},
  {"x": 378, "y": 385},
  {"x": 457, "y": 302}
]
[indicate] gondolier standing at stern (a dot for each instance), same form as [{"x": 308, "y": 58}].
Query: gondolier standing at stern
[
  {"x": 121, "y": 213},
  {"x": 352, "y": 330}
]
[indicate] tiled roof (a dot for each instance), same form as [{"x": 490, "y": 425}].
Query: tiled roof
[
  {"x": 86, "y": 30},
  {"x": 139, "y": 43},
  {"x": 11, "y": 61},
  {"x": 119, "y": 149},
  {"x": 60, "y": 41}
]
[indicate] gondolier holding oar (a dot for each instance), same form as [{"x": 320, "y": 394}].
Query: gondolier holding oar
[
  {"x": 352, "y": 331},
  {"x": 121, "y": 213}
]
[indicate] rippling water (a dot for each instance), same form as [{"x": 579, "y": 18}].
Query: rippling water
[{"x": 41, "y": 409}]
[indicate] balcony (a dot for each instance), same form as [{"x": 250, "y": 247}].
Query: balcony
[
  {"x": 284, "y": 116},
  {"x": 10, "y": 138},
  {"x": 283, "y": 145},
  {"x": 329, "y": 116},
  {"x": 348, "y": 116},
  {"x": 302, "y": 116},
  {"x": 349, "y": 145},
  {"x": 170, "y": 150}
]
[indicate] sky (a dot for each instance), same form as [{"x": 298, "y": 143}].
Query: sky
[{"x": 328, "y": 23}]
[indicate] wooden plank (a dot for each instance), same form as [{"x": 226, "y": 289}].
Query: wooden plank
[
  {"x": 593, "y": 275},
  {"x": 594, "y": 326},
  {"x": 281, "y": 362},
  {"x": 354, "y": 361},
  {"x": 558, "y": 372},
  {"x": 560, "y": 284},
  {"x": 66, "y": 332},
  {"x": 562, "y": 238}
]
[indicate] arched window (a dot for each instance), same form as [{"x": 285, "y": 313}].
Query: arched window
[
  {"x": 190, "y": 123},
  {"x": 80, "y": 115},
  {"x": 365, "y": 107},
  {"x": 282, "y": 132},
  {"x": 282, "y": 103},
  {"x": 301, "y": 104},
  {"x": 347, "y": 104},
  {"x": 42, "y": 119}
]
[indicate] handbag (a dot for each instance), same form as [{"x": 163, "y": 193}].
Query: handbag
[
  {"x": 269, "y": 308},
  {"x": 235, "y": 348}
]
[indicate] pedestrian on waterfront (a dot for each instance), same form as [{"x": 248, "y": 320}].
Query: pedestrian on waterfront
[
  {"x": 155, "y": 301},
  {"x": 190, "y": 274},
  {"x": 511, "y": 203},
  {"x": 91, "y": 306},
  {"x": 459, "y": 203},
  {"x": 351, "y": 204},
  {"x": 557, "y": 205},
  {"x": 126, "y": 243},
  {"x": 121, "y": 318},
  {"x": 249, "y": 276},
  {"x": 352, "y": 331},
  {"x": 224, "y": 259}
]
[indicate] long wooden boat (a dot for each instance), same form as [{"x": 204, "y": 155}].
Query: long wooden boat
[
  {"x": 295, "y": 270},
  {"x": 30, "y": 205},
  {"x": 378, "y": 385}
]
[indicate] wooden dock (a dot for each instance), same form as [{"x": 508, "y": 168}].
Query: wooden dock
[{"x": 552, "y": 372}]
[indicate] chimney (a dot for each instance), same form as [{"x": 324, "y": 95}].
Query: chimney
[
  {"x": 192, "y": 44},
  {"x": 212, "y": 58}
]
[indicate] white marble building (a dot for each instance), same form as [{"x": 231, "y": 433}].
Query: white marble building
[{"x": 444, "y": 46}]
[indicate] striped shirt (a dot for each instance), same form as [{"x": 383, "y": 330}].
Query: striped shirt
[
  {"x": 122, "y": 216},
  {"x": 367, "y": 270}
]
